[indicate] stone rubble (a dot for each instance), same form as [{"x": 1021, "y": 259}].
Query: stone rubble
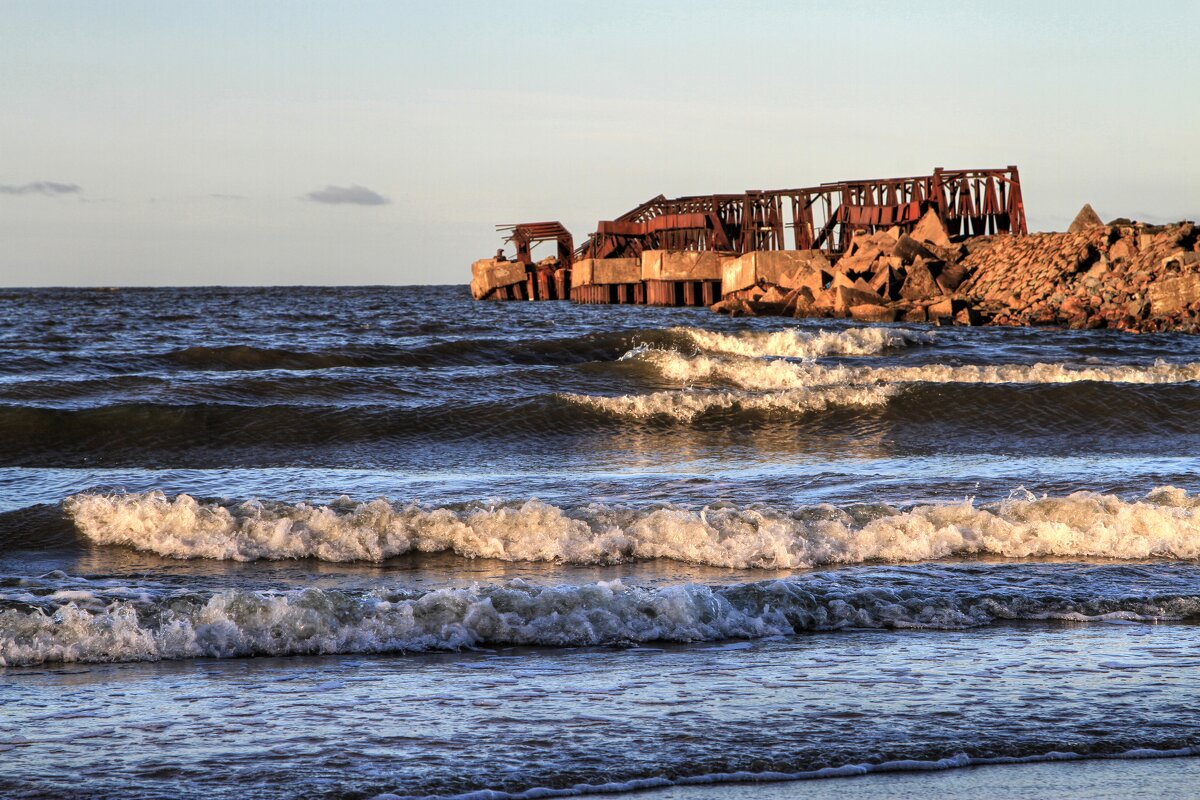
[{"x": 1123, "y": 275}]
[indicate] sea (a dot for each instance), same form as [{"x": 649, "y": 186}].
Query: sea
[{"x": 380, "y": 542}]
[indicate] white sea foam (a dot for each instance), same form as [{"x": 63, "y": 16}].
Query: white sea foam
[
  {"x": 235, "y": 622},
  {"x": 844, "y": 771},
  {"x": 1163, "y": 524},
  {"x": 803, "y": 343},
  {"x": 688, "y": 404},
  {"x": 778, "y": 375}
]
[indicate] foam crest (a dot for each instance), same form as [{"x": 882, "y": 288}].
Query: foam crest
[
  {"x": 956, "y": 761},
  {"x": 1163, "y": 524},
  {"x": 689, "y": 404},
  {"x": 778, "y": 375},
  {"x": 235, "y": 623},
  {"x": 801, "y": 343}
]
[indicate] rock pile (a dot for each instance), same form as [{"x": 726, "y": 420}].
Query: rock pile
[
  {"x": 1122, "y": 275},
  {"x": 883, "y": 277}
]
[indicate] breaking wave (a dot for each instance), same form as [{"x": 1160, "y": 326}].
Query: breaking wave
[
  {"x": 802, "y": 343},
  {"x": 777, "y": 374},
  {"x": 688, "y": 405},
  {"x": 77, "y": 625},
  {"x": 596, "y": 346},
  {"x": 1163, "y": 524}
]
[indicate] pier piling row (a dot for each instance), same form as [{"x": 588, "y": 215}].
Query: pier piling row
[{"x": 683, "y": 246}]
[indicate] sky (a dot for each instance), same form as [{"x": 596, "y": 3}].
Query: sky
[{"x": 199, "y": 143}]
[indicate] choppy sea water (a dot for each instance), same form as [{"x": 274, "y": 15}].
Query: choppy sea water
[{"x": 317, "y": 542}]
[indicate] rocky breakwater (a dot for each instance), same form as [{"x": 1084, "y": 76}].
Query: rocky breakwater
[
  {"x": 886, "y": 276},
  {"x": 1123, "y": 275}
]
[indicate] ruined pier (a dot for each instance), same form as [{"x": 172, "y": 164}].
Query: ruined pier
[
  {"x": 676, "y": 252},
  {"x": 948, "y": 247}
]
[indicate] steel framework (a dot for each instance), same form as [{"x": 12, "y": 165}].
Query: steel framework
[
  {"x": 525, "y": 235},
  {"x": 970, "y": 202}
]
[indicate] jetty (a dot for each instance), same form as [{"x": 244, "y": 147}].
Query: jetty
[
  {"x": 950, "y": 247},
  {"x": 675, "y": 252}
]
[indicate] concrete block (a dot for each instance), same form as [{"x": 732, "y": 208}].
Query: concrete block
[
  {"x": 488, "y": 274},
  {"x": 770, "y": 266},
  {"x": 682, "y": 265},
  {"x": 604, "y": 271}
]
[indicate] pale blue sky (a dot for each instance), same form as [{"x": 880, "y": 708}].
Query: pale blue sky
[{"x": 196, "y": 131}]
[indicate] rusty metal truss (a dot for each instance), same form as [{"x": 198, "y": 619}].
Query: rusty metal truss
[
  {"x": 525, "y": 235},
  {"x": 970, "y": 202}
]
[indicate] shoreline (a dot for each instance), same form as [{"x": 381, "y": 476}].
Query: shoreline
[{"x": 898, "y": 779}]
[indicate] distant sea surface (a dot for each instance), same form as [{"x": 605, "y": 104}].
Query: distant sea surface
[{"x": 350, "y": 542}]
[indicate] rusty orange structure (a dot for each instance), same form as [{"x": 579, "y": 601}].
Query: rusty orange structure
[
  {"x": 969, "y": 202},
  {"x": 548, "y": 279}
]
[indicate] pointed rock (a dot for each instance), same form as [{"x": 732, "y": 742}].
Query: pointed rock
[
  {"x": 919, "y": 283},
  {"x": 930, "y": 229},
  {"x": 1086, "y": 218}
]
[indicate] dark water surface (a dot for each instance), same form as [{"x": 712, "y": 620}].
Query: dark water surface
[{"x": 341, "y": 542}]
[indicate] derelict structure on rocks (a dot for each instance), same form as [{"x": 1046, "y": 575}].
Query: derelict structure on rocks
[{"x": 692, "y": 250}]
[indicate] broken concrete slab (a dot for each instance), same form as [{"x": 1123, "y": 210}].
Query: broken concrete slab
[
  {"x": 768, "y": 266},
  {"x": 488, "y": 274}
]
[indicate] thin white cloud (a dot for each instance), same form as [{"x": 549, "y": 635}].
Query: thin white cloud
[
  {"x": 40, "y": 187},
  {"x": 352, "y": 195}
]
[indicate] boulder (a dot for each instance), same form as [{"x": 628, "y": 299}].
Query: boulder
[
  {"x": 1085, "y": 219},
  {"x": 869, "y": 312},
  {"x": 909, "y": 249},
  {"x": 930, "y": 229},
  {"x": 846, "y": 297},
  {"x": 824, "y": 302},
  {"x": 944, "y": 309},
  {"x": 1121, "y": 249},
  {"x": 919, "y": 283},
  {"x": 951, "y": 277},
  {"x": 772, "y": 295},
  {"x": 967, "y": 316},
  {"x": 1173, "y": 295},
  {"x": 798, "y": 302},
  {"x": 845, "y": 280},
  {"x": 861, "y": 261},
  {"x": 806, "y": 276},
  {"x": 887, "y": 283}
]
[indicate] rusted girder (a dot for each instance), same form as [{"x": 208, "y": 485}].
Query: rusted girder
[
  {"x": 970, "y": 202},
  {"x": 525, "y": 235}
]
